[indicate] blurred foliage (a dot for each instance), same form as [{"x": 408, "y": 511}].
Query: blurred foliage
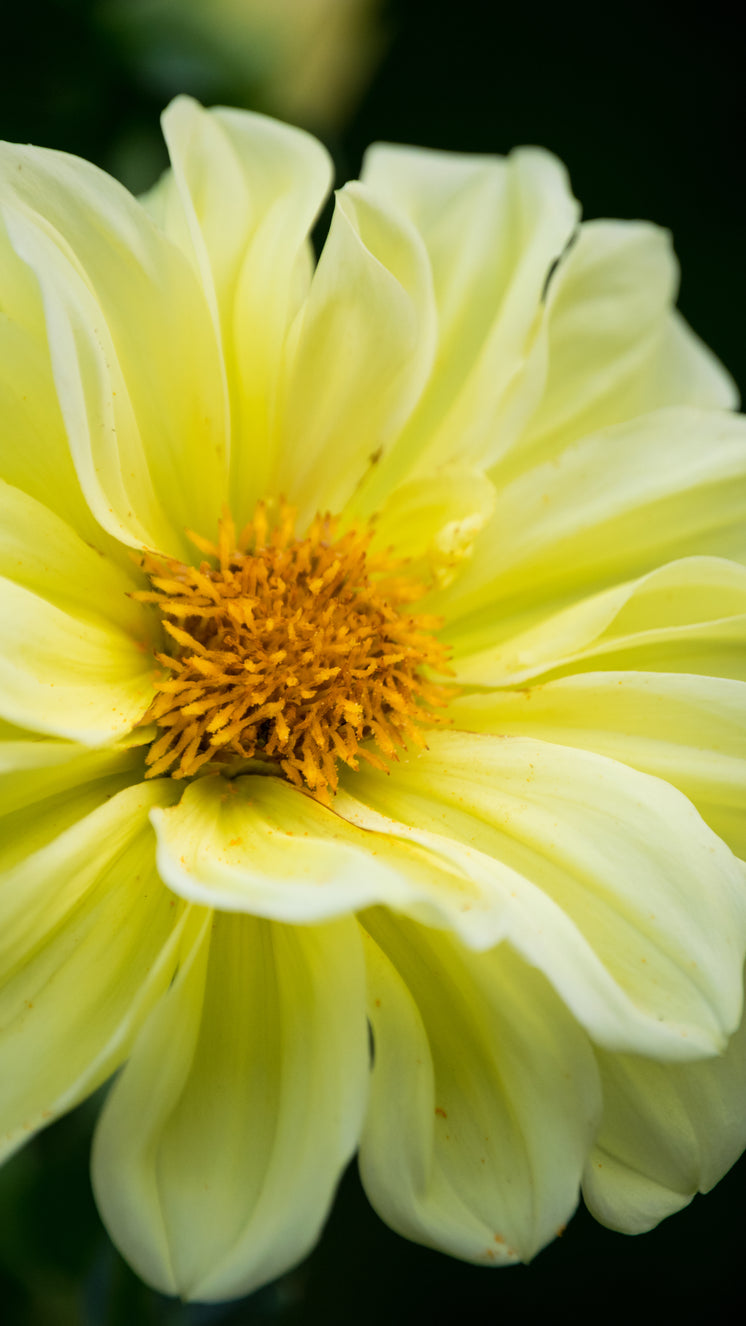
[{"x": 643, "y": 108}]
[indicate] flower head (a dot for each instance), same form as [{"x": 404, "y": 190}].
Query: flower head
[{"x": 373, "y": 655}]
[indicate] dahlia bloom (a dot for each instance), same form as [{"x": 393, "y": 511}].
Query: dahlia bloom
[{"x": 372, "y": 657}]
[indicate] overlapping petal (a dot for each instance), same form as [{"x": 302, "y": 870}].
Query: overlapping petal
[
  {"x": 255, "y": 844},
  {"x": 484, "y": 1096},
  {"x": 362, "y": 352},
  {"x": 253, "y": 257},
  {"x": 667, "y": 1133},
  {"x": 89, "y": 939},
  {"x": 687, "y": 616},
  {"x": 220, "y": 1147},
  {"x": 492, "y": 229},
  {"x": 689, "y": 730},
  {"x": 604, "y": 509},
  {"x": 77, "y": 661},
  {"x": 611, "y": 344},
  {"x": 595, "y": 874},
  {"x": 135, "y": 359}
]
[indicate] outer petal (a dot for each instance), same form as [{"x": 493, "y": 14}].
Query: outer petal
[
  {"x": 611, "y": 506},
  {"x": 133, "y": 352},
  {"x": 689, "y": 730},
  {"x": 605, "y": 879},
  {"x": 363, "y": 350},
  {"x": 241, "y": 198},
  {"x": 688, "y": 616},
  {"x": 484, "y": 1097},
  {"x": 35, "y": 455},
  {"x": 89, "y": 939},
  {"x": 613, "y": 346},
  {"x": 220, "y": 1147},
  {"x": 492, "y": 229},
  {"x": 76, "y": 660},
  {"x": 667, "y": 1133}
]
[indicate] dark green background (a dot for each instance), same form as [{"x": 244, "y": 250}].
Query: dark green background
[{"x": 643, "y": 108}]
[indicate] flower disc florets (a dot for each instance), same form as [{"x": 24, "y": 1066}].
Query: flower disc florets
[{"x": 288, "y": 650}]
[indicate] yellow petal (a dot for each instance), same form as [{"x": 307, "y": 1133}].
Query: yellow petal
[
  {"x": 668, "y": 1132},
  {"x": 607, "y": 508},
  {"x": 604, "y": 878},
  {"x": 253, "y": 255},
  {"x": 689, "y": 730},
  {"x": 613, "y": 348},
  {"x": 134, "y": 355},
  {"x": 492, "y": 228},
  {"x": 255, "y": 844},
  {"x": 221, "y": 1145},
  {"x": 363, "y": 349},
  {"x": 40, "y": 552},
  {"x": 484, "y": 1096},
  {"x": 688, "y": 616},
  {"x": 32, "y": 769},
  {"x": 88, "y": 942}
]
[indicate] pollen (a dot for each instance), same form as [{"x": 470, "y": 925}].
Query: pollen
[{"x": 296, "y": 652}]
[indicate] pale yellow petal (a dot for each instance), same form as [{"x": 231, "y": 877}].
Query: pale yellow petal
[
  {"x": 63, "y": 675},
  {"x": 363, "y": 349},
  {"x": 221, "y": 1145},
  {"x": 604, "y": 878},
  {"x": 33, "y": 769},
  {"x": 41, "y": 552},
  {"x": 612, "y": 346},
  {"x": 492, "y": 228},
  {"x": 240, "y": 200},
  {"x": 609, "y": 507},
  {"x": 668, "y": 1131},
  {"x": 484, "y": 1096},
  {"x": 75, "y": 658},
  {"x": 687, "y": 729},
  {"x": 134, "y": 354},
  {"x": 255, "y": 844},
  {"x": 687, "y": 616},
  {"x": 89, "y": 939}
]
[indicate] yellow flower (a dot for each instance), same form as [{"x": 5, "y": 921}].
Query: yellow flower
[{"x": 372, "y": 652}]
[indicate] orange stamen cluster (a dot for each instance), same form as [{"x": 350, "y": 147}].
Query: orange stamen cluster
[{"x": 292, "y": 651}]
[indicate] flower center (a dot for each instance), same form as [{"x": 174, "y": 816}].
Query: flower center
[{"x": 290, "y": 651}]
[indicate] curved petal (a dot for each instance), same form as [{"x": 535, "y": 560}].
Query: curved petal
[
  {"x": 89, "y": 940},
  {"x": 41, "y": 553},
  {"x": 484, "y": 1096},
  {"x": 492, "y": 228},
  {"x": 612, "y": 506},
  {"x": 240, "y": 200},
  {"x": 688, "y": 616},
  {"x": 220, "y": 1146},
  {"x": 134, "y": 355},
  {"x": 604, "y": 878},
  {"x": 33, "y": 770},
  {"x": 668, "y": 1131},
  {"x": 363, "y": 350},
  {"x": 62, "y": 673},
  {"x": 255, "y": 844},
  {"x": 689, "y": 730},
  {"x": 614, "y": 347},
  {"x": 76, "y": 662},
  {"x": 35, "y": 455}
]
